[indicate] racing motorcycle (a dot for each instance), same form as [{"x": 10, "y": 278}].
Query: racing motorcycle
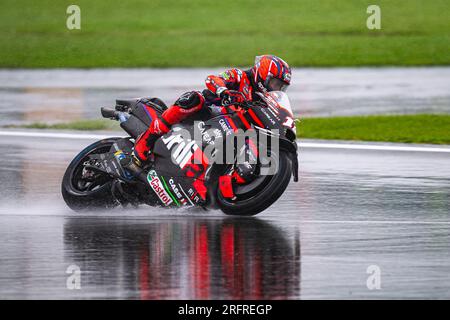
[{"x": 178, "y": 172}]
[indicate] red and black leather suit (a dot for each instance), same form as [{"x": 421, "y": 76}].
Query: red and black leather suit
[{"x": 235, "y": 83}]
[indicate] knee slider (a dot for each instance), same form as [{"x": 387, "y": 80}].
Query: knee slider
[{"x": 189, "y": 100}]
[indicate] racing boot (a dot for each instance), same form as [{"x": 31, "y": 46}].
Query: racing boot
[{"x": 134, "y": 164}]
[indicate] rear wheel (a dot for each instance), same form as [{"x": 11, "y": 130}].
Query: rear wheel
[
  {"x": 261, "y": 193},
  {"x": 84, "y": 189}
]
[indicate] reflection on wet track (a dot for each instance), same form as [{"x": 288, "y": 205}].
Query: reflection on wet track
[
  {"x": 185, "y": 258},
  {"x": 351, "y": 209}
]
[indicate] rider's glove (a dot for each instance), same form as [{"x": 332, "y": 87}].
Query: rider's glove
[{"x": 232, "y": 96}]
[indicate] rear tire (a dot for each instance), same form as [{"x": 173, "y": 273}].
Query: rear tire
[
  {"x": 271, "y": 190},
  {"x": 98, "y": 198}
]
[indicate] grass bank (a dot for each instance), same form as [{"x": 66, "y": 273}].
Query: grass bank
[
  {"x": 185, "y": 33},
  {"x": 422, "y": 128}
]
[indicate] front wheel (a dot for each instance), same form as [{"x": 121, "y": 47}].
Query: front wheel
[
  {"x": 260, "y": 194},
  {"x": 83, "y": 190}
]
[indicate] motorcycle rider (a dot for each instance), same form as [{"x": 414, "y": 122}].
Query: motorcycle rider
[{"x": 270, "y": 73}]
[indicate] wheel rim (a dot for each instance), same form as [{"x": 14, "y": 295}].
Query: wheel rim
[{"x": 85, "y": 186}]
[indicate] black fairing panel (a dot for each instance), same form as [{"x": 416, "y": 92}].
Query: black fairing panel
[
  {"x": 187, "y": 176},
  {"x": 140, "y": 118}
]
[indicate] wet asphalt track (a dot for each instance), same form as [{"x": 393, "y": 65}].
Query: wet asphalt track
[{"x": 351, "y": 209}]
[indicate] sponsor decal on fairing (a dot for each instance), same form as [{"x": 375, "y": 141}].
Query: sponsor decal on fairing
[
  {"x": 177, "y": 191},
  {"x": 158, "y": 187}
]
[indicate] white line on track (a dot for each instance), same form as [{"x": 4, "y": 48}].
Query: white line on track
[
  {"x": 351, "y": 146},
  {"x": 56, "y": 135},
  {"x": 319, "y": 145},
  {"x": 375, "y": 222}
]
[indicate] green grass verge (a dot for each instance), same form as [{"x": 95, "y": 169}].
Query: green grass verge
[
  {"x": 186, "y": 33},
  {"x": 420, "y": 128}
]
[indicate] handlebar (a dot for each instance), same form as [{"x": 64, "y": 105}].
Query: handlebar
[{"x": 247, "y": 104}]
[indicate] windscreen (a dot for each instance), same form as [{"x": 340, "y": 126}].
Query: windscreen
[
  {"x": 282, "y": 99},
  {"x": 276, "y": 84}
]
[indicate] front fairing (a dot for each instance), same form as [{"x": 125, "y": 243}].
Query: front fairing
[{"x": 275, "y": 113}]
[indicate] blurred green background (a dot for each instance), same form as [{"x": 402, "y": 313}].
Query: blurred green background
[{"x": 135, "y": 33}]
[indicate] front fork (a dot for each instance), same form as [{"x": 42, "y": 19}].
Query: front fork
[{"x": 243, "y": 170}]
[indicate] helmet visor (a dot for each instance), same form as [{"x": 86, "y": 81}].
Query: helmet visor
[{"x": 276, "y": 84}]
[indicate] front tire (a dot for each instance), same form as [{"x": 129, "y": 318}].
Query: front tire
[
  {"x": 79, "y": 197},
  {"x": 270, "y": 189}
]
